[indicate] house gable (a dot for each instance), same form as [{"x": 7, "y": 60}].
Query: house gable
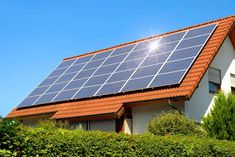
[{"x": 202, "y": 100}]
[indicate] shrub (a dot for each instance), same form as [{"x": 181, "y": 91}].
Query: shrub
[
  {"x": 39, "y": 141},
  {"x": 11, "y": 138},
  {"x": 50, "y": 124},
  {"x": 220, "y": 122},
  {"x": 172, "y": 123},
  {"x": 96, "y": 143}
]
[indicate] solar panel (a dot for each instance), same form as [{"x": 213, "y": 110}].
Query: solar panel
[{"x": 129, "y": 68}]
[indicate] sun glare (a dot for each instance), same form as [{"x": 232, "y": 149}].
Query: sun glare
[{"x": 154, "y": 45}]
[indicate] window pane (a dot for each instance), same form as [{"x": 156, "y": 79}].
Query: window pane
[
  {"x": 214, "y": 75},
  {"x": 213, "y": 87}
]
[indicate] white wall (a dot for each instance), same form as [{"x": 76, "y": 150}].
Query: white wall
[
  {"x": 142, "y": 115},
  {"x": 201, "y": 101}
]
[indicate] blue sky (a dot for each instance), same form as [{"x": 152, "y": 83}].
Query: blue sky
[{"x": 36, "y": 35}]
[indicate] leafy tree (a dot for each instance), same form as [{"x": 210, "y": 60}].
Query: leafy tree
[
  {"x": 220, "y": 122},
  {"x": 172, "y": 123}
]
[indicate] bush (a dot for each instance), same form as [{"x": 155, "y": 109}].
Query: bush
[
  {"x": 49, "y": 124},
  {"x": 11, "y": 140},
  {"x": 39, "y": 141},
  {"x": 96, "y": 143},
  {"x": 173, "y": 123},
  {"x": 220, "y": 122}
]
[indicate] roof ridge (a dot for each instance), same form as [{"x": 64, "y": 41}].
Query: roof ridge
[{"x": 150, "y": 37}]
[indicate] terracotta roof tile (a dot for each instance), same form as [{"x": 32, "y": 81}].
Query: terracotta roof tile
[{"x": 113, "y": 104}]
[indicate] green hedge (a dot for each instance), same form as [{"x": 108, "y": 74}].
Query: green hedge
[
  {"x": 174, "y": 123},
  {"x": 60, "y": 142}
]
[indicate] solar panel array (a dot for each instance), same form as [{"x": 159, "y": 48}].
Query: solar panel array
[{"x": 124, "y": 69}]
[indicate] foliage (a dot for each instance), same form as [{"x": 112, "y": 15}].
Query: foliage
[
  {"x": 39, "y": 141},
  {"x": 11, "y": 140},
  {"x": 49, "y": 124},
  {"x": 173, "y": 123},
  {"x": 220, "y": 122}
]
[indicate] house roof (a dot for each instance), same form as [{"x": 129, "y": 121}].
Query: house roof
[{"x": 112, "y": 106}]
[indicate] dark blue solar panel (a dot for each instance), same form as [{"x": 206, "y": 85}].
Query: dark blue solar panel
[
  {"x": 45, "y": 98},
  {"x": 115, "y": 59},
  {"x": 167, "y": 79},
  {"x": 85, "y": 73},
  {"x": 167, "y": 47},
  {"x": 66, "y": 63},
  {"x": 119, "y": 76},
  {"x": 56, "y": 87},
  {"x": 76, "y": 84},
  {"x": 65, "y": 78},
  {"x": 123, "y": 50},
  {"x": 135, "y": 84},
  {"x": 101, "y": 55},
  {"x": 176, "y": 65},
  {"x": 111, "y": 88},
  {"x": 65, "y": 95},
  {"x": 171, "y": 38},
  {"x": 130, "y": 64},
  {"x": 155, "y": 59},
  {"x": 83, "y": 59},
  {"x": 39, "y": 90},
  {"x": 58, "y": 72},
  {"x": 185, "y": 53},
  {"x": 128, "y": 68},
  {"x": 193, "y": 42},
  {"x": 96, "y": 80},
  {"x": 137, "y": 54},
  {"x": 147, "y": 71},
  {"x": 28, "y": 101},
  {"x": 48, "y": 81},
  {"x": 106, "y": 69},
  {"x": 75, "y": 68},
  {"x": 87, "y": 92},
  {"x": 200, "y": 31},
  {"x": 94, "y": 64}
]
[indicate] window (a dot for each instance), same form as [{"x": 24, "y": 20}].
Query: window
[
  {"x": 214, "y": 78},
  {"x": 79, "y": 125},
  {"x": 232, "y": 83}
]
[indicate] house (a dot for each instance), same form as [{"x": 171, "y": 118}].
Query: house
[{"x": 122, "y": 87}]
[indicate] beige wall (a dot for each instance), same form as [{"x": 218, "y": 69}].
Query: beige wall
[
  {"x": 127, "y": 126},
  {"x": 142, "y": 115}
]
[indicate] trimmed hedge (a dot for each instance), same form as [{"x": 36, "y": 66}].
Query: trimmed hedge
[
  {"x": 51, "y": 141},
  {"x": 174, "y": 123}
]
